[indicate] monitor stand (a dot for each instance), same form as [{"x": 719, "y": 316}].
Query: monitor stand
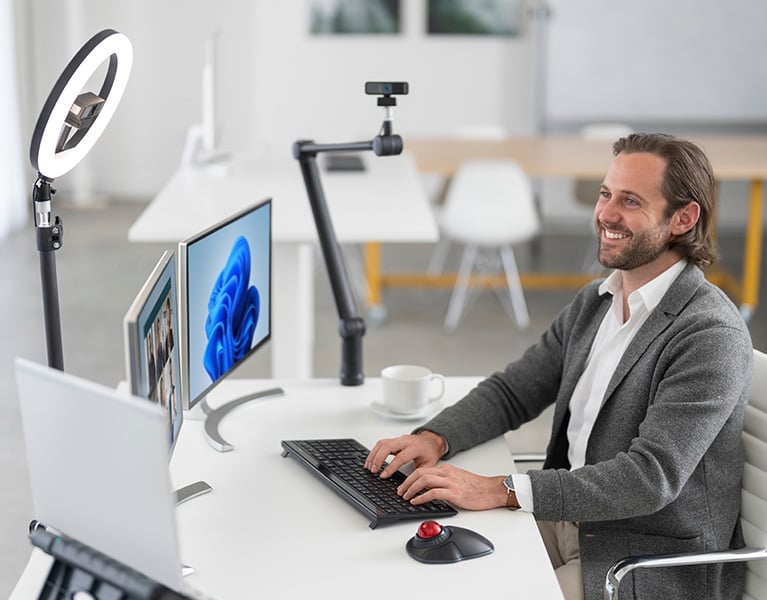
[
  {"x": 213, "y": 416},
  {"x": 198, "y": 488}
]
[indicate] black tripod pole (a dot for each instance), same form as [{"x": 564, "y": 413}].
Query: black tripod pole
[
  {"x": 351, "y": 326},
  {"x": 50, "y": 235}
]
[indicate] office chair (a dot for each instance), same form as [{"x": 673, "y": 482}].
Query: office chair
[
  {"x": 488, "y": 207},
  {"x": 753, "y": 512},
  {"x": 586, "y": 191}
]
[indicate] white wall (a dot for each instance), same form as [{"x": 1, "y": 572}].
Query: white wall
[
  {"x": 276, "y": 83},
  {"x": 657, "y": 60}
]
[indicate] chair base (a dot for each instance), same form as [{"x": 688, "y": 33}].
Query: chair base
[{"x": 514, "y": 303}]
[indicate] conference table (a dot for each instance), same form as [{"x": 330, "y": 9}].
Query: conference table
[
  {"x": 385, "y": 202},
  {"x": 733, "y": 157}
]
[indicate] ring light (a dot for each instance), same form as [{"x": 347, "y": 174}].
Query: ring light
[
  {"x": 69, "y": 124},
  {"x": 53, "y": 150}
]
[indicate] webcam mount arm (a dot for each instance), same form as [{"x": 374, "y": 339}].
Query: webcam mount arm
[{"x": 351, "y": 325}]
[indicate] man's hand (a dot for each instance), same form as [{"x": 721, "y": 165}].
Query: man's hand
[
  {"x": 458, "y": 487},
  {"x": 424, "y": 449}
]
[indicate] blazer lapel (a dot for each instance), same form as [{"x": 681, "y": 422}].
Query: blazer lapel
[{"x": 661, "y": 317}]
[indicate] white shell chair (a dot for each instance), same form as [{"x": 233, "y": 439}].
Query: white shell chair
[
  {"x": 753, "y": 510},
  {"x": 489, "y": 206}
]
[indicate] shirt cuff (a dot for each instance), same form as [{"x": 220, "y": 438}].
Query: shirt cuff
[{"x": 524, "y": 491}]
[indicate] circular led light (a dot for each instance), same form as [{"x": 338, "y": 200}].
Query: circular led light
[{"x": 61, "y": 113}]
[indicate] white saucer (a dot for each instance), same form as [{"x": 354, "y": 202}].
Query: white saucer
[{"x": 429, "y": 410}]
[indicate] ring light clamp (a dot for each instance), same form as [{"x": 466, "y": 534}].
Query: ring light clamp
[{"x": 71, "y": 121}]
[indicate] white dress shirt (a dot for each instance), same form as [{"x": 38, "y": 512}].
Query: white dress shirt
[{"x": 611, "y": 341}]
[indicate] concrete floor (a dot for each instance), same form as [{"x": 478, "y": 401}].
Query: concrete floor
[{"x": 99, "y": 273}]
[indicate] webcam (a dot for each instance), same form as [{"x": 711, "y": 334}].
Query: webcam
[{"x": 386, "y": 88}]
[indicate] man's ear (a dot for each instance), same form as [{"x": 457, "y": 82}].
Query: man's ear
[{"x": 685, "y": 218}]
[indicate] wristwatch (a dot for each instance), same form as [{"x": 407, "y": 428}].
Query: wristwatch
[{"x": 511, "y": 496}]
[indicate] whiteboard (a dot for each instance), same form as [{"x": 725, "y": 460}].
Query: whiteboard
[{"x": 655, "y": 60}]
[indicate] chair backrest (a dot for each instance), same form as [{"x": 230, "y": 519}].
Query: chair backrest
[
  {"x": 754, "y": 496},
  {"x": 490, "y": 203}
]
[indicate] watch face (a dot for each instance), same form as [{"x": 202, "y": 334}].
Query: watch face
[{"x": 509, "y": 483}]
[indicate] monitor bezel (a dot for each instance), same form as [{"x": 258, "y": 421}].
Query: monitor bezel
[
  {"x": 190, "y": 402},
  {"x": 164, "y": 269}
]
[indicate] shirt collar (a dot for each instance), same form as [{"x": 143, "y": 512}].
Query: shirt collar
[{"x": 651, "y": 292}]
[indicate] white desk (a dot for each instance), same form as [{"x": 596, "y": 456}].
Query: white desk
[
  {"x": 384, "y": 203},
  {"x": 270, "y": 529}
]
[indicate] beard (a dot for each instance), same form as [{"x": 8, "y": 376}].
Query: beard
[{"x": 638, "y": 250}]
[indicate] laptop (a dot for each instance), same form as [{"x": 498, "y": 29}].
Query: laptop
[{"x": 98, "y": 467}]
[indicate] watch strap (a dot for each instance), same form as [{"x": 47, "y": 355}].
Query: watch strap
[{"x": 511, "y": 497}]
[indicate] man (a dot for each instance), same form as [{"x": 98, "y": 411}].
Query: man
[{"x": 649, "y": 371}]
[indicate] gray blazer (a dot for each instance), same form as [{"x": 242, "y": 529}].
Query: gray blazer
[{"x": 665, "y": 458}]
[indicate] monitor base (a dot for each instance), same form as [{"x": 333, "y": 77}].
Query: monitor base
[
  {"x": 215, "y": 415},
  {"x": 198, "y": 488}
]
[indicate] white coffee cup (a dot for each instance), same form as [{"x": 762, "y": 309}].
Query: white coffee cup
[{"x": 407, "y": 389}]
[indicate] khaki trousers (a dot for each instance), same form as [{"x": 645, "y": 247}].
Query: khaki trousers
[{"x": 561, "y": 541}]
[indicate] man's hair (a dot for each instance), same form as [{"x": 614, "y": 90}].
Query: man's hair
[{"x": 689, "y": 176}]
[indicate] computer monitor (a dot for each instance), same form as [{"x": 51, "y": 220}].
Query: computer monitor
[
  {"x": 153, "y": 367},
  {"x": 152, "y": 356},
  {"x": 225, "y": 275}
]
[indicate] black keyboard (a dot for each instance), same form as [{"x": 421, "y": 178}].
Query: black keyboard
[{"x": 339, "y": 463}]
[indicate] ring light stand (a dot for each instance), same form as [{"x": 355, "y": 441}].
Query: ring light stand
[
  {"x": 69, "y": 125},
  {"x": 351, "y": 326}
]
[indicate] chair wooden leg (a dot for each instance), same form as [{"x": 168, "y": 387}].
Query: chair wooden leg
[
  {"x": 461, "y": 287},
  {"x": 516, "y": 294}
]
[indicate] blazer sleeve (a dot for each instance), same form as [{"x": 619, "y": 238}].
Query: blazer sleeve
[{"x": 509, "y": 398}]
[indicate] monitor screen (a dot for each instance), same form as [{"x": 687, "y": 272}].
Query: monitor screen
[
  {"x": 152, "y": 354},
  {"x": 225, "y": 285}
]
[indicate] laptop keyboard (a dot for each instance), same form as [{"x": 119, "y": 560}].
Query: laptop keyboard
[{"x": 339, "y": 463}]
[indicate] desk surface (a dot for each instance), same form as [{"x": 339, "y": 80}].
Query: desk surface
[
  {"x": 269, "y": 529},
  {"x": 385, "y": 202},
  {"x": 733, "y": 157}
]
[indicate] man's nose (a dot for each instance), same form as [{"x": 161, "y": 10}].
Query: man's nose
[{"x": 606, "y": 210}]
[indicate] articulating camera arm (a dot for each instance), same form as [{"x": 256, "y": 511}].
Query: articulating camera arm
[{"x": 351, "y": 326}]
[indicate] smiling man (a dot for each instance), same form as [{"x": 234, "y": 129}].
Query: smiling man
[{"x": 649, "y": 371}]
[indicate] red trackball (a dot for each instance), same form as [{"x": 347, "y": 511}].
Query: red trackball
[{"x": 429, "y": 529}]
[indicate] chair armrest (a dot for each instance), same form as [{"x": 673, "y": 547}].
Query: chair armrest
[{"x": 623, "y": 567}]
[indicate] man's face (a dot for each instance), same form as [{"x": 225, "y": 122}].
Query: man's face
[{"x": 630, "y": 213}]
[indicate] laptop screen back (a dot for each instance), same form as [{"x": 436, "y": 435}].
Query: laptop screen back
[{"x": 98, "y": 466}]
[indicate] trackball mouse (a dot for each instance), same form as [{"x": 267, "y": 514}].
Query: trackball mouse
[{"x": 434, "y": 543}]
